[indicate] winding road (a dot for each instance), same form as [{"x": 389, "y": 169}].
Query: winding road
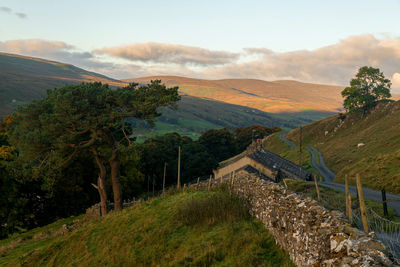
[{"x": 329, "y": 178}]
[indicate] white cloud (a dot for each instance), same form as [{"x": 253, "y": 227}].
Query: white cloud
[
  {"x": 333, "y": 64},
  {"x": 9, "y": 10},
  {"x": 168, "y": 53},
  {"x": 396, "y": 83}
]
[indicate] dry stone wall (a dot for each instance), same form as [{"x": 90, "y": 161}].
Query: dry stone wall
[{"x": 312, "y": 235}]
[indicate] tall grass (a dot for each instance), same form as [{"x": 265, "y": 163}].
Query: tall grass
[{"x": 216, "y": 208}]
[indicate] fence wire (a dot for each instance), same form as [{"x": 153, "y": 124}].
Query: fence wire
[{"x": 386, "y": 231}]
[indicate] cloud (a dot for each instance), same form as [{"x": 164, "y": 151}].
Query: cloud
[
  {"x": 53, "y": 50},
  {"x": 21, "y": 15},
  {"x": 396, "y": 82},
  {"x": 5, "y": 9},
  {"x": 334, "y": 64},
  {"x": 9, "y": 10},
  {"x": 168, "y": 53}
]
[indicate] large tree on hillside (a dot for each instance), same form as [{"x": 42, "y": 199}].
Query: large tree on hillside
[
  {"x": 87, "y": 117},
  {"x": 366, "y": 89}
]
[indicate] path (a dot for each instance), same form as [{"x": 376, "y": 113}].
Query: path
[{"x": 329, "y": 177}]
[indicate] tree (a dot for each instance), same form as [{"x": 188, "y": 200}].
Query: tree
[
  {"x": 219, "y": 143},
  {"x": 244, "y": 136},
  {"x": 87, "y": 117},
  {"x": 366, "y": 89}
]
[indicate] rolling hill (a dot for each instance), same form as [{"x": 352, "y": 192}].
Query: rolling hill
[
  {"x": 338, "y": 138},
  {"x": 23, "y": 79},
  {"x": 275, "y": 97}
]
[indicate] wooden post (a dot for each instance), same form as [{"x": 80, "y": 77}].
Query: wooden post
[
  {"x": 350, "y": 210},
  {"x": 362, "y": 204},
  {"x": 348, "y": 199},
  {"x": 284, "y": 182},
  {"x": 148, "y": 185},
  {"x": 346, "y": 187},
  {"x": 385, "y": 208},
  {"x": 300, "y": 145},
  {"x": 233, "y": 177},
  {"x": 316, "y": 187},
  {"x": 178, "y": 186},
  {"x": 153, "y": 184},
  {"x": 163, "y": 181},
  {"x": 209, "y": 182},
  {"x": 198, "y": 182}
]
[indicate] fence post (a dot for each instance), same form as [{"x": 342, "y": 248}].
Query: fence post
[
  {"x": 209, "y": 182},
  {"x": 316, "y": 187},
  {"x": 198, "y": 183},
  {"x": 348, "y": 200},
  {"x": 362, "y": 204},
  {"x": 385, "y": 208},
  {"x": 163, "y": 181},
  {"x": 346, "y": 186},
  {"x": 179, "y": 168},
  {"x": 284, "y": 183},
  {"x": 153, "y": 184}
]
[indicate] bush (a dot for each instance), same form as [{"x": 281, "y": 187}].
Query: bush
[{"x": 217, "y": 208}]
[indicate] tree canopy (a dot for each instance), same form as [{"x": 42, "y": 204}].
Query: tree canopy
[
  {"x": 90, "y": 116},
  {"x": 367, "y": 88}
]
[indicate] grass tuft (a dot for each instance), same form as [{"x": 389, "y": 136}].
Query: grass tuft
[{"x": 215, "y": 208}]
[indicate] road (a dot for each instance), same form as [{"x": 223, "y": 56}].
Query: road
[{"x": 329, "y": 177}]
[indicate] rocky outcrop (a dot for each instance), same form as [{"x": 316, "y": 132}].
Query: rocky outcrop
[{"x": 312, "y": 235}]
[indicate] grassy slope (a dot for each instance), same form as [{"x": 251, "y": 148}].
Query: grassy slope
[
  {"x": 276, "y": 97},
  {"x": 26, "y": 78},
  {"x": 196, "y": 115},
  {"x": 378, "y": 162},
  {"x": 151, "y": 234},
  {"x": 330, "y": 198}
]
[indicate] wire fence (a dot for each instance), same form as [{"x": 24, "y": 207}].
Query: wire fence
[{"x": 386, "y": 231}]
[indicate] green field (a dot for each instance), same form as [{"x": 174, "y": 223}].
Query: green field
[
  {"x": 196, "y": 115},
  {"x": 200, "y": 228}
]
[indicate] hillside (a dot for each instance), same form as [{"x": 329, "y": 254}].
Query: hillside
[
  {"x": 23, "y": 79},
  {"x": 377, "y": 161},
  {"x": 276, "y": 96},
  {"x": 195, "y": 115},
  {"x": 159, "y": 232}
]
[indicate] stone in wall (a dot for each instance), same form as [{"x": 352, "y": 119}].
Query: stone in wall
[{"x": 312, "y": 235}]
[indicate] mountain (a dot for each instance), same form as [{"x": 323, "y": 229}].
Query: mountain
[
  {"x": 23, "y": 79},
  {"x": 275, "y": 97},
  {"x": 195, "y": 115},
  {"x": 338, "y": 138}
]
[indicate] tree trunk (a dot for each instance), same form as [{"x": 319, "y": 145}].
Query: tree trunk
[
  {"x": 101, "y": 181},
  {"x": 116, "y": 184}
]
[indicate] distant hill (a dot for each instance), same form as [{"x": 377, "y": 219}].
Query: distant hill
[
  {"x": 23, "y": 79},
  {"x": 195, "y": 115},
  {"x": 377, "y": 161},
  {"x": 276, "y": 96}
]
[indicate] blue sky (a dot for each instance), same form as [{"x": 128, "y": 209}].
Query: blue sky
[{"x": 283, "y": 27}]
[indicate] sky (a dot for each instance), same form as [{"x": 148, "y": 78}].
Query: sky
[{"x": 311, "y": 41}]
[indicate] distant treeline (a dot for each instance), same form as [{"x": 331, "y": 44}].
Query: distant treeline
[{"x": 30, "y": 197}]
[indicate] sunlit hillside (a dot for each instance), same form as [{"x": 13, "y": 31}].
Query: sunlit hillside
[{"x": 276, "y": 96}]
